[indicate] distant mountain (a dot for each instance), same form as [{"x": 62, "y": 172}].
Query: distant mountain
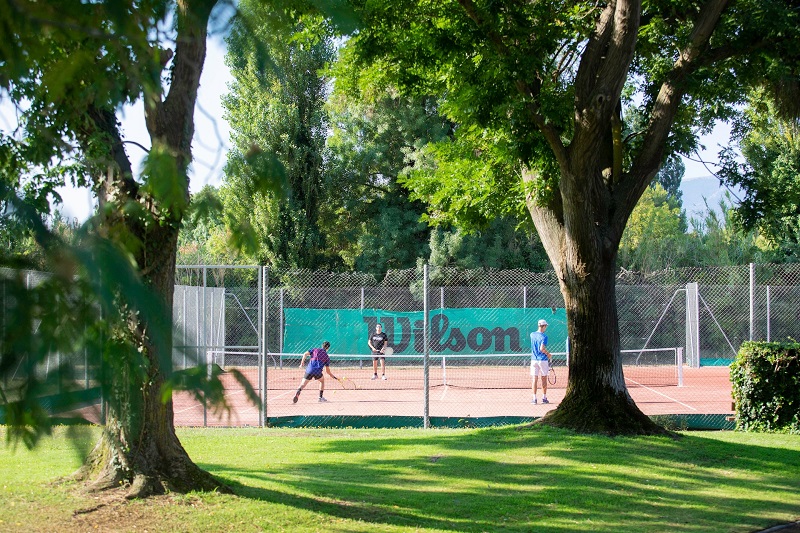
[{"x": 697, "y": 192}]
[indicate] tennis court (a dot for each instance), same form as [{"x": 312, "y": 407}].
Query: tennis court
[
  {"x": 490, "y": 387},
  {"x": 495, "y": 386}
]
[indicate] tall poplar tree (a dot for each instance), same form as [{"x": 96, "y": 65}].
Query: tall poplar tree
[{"x": 279, "y": 124}]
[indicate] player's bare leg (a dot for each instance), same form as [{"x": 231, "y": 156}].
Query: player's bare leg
[
  {"x": 322, "y": 389},
  {"x": 544, "y": 389},
  {"x": 303, "y": 384}
]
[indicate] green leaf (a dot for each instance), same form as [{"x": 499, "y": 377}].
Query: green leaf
[{"x": 164, "y": 182}]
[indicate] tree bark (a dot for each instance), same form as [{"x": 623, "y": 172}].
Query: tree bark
[
  {"x": 582, "y": 223},
  {"x": 139, "y": 449}
]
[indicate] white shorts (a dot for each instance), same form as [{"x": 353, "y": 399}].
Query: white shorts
[{"x": 540, "y": 368}]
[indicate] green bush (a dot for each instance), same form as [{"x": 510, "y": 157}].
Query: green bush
[{"x": 766, "y": 387}]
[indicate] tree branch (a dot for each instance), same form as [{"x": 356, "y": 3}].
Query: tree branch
[
  {"x": 172, "y": 121},
  {"x": 593, "y": 54},
  {"x": 666, "y": 106},
  {"x": 528, "y": 91},
  {"x": 604, "y": 70},
  {"x": 104, "y": 122}
]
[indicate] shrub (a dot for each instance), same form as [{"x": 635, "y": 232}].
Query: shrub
[{"x": 766, "y": 387}]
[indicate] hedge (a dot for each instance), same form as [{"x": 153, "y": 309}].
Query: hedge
[{"x": 766, "y": 387}]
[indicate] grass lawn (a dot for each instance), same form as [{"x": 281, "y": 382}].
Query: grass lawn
[{"x": 500, "y": 479}]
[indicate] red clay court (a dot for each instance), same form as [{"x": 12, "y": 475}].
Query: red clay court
[{"x": 466, "y": 392}]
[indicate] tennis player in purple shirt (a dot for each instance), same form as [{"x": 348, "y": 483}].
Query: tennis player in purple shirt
[{"x": 319, "y": 361}]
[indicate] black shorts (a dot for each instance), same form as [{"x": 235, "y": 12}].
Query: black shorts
[
  {"x": 377, "y": 355},
  {"x": 309, "y": 377}
]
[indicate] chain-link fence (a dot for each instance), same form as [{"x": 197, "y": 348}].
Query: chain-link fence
[
  {"x": 218, "y": 313},
  {"x": 62, "y": 370},
  {"x": 460, "y": 341}
]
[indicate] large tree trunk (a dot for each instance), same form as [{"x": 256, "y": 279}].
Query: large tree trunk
[
  {"x": 597, "y": 400},
  {"x": 582, "y": 221},
  {"x": 139, "y": 448},
  {"x": 575, "y": 231}
]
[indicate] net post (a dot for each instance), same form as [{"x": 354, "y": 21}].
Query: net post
[
  {"x": 426, "y": 415},
  {"x": 679, "y": 360}
]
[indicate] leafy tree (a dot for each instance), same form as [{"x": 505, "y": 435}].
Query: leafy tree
[
  {"x": 373, "y": 225},
  {"x": 654, "y": 234},
  {"x": 657, "y": 237},
  {"x": 770, "y": 174},
  {"x": 276, "y": 112},
  {"x": 719, "y": 240},
  {"x": 670, "y": 176},
  {"x": 392, "y": 238},
  {"x": 36, "y": 186},
  {"x": 74, "y": 64},
  {"x": 541, "y": 84},
  {"x": 205, "y": 237},
  {"x": 378, "y": 148},
  {"x": 500, "y": 245}
]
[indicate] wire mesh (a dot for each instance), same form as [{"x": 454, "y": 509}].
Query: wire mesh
[{"x": 476, "y": 336}]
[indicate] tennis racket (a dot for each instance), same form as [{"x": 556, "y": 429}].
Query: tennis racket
[
  {"x": 551, "y": 376},
  {"x": 388, "y": 350},
  {"x": 347, "y": 383}
]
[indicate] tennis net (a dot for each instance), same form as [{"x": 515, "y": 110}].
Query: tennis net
[{"x": 650, "y": 367}]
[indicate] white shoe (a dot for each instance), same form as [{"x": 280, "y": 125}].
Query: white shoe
[
  {"x": 384, "y": 378},
  {"x": 375, "y": 376},
  {"x": 322, "y": 399}
]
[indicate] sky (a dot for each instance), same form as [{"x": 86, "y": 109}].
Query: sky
[
  {"x": 211, "y": 136},
  {"x": 212, "y": 132}
]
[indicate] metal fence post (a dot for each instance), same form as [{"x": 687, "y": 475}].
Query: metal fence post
[
  {"x": 280, "y": 330},
  {"x": 752, "y": 300},
  {"x": 184, "y": 327},
  {"x": 692, "y": 325},
  {"x": 768, "y": 316},
  {"x": 204, "y": 348},
  {"x": 262, "y": 357},
  {"x": 426, "y": 415}
]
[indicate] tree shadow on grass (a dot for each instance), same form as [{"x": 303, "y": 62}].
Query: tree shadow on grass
[{"x": 542, "y": 479}]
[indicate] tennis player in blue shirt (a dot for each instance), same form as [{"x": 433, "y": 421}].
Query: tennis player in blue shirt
[
  {"x": 319, "y": 361},
  {"x": 540, "y": 360}
]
